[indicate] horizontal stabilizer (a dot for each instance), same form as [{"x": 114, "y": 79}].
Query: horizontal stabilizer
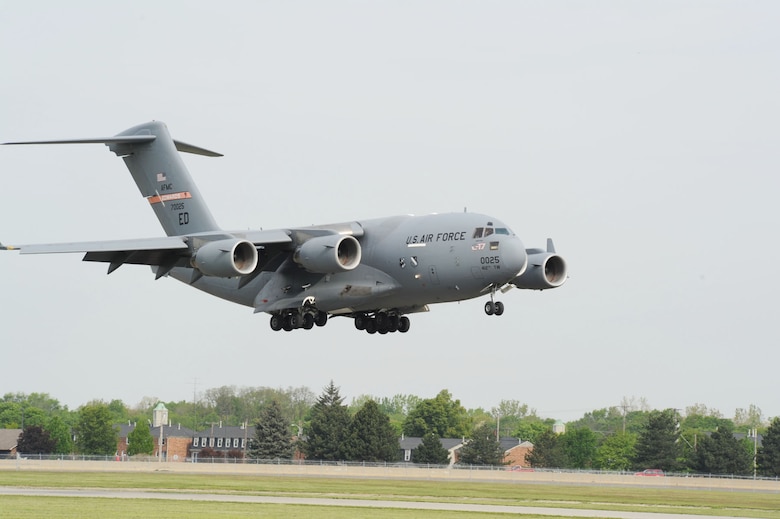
[
  {"x": 124, "y": 139},
  {"x": 195, "y": 150}
]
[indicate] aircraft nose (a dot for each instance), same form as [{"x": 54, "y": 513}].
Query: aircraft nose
[{"x": 515, "y": 257}]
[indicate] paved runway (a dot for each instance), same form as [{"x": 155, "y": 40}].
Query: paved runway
[{"x": 360, "y": 503}]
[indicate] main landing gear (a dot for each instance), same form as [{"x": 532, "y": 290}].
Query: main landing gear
[
  {"x": 289, "y": 320},
  {"x": 382, "y": 322}
]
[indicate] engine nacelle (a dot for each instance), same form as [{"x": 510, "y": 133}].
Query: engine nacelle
[
  {"x": 329, "y": 254},
  {"x": 226, "y": 258},
  {"x": 545, "y": 270}
]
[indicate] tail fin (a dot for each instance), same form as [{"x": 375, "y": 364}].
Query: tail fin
[
  {"x": 163, "y": 179},
  {"x": 151, "y": 156}
]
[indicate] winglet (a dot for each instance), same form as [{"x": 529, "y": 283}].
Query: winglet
[
  {"x": 6, "y": 247},
  {"x": 550, "y": 246}
]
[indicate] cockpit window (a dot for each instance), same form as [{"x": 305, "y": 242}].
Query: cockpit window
[{"x": 484, "y": 232}]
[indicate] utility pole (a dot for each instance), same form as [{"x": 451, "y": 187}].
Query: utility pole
[
  {"x": 754, "y": 432},
  {"x": 625, "y": 408}
]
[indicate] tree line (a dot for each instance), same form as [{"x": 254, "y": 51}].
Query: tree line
[{"x": 626, "y": 437}]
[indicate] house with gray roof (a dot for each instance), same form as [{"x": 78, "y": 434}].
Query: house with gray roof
[{"x": 9, "y": 438}]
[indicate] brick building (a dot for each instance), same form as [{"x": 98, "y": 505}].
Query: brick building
[
  {"x": 174, "y": 441},
  {"x": 224, "y": 440}
]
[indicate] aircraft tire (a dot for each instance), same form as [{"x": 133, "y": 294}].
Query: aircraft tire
[
  {"x": 490, "y": 308},
  {"x": 360, "y": 322},
  {"x": 308, "y": 322},
  {"x": 295, "y": 320},
  {"x": 392, "y": 323},
  {"x": 499, "y": 308},
  {"x": 287, "y": 325},
  {"x": 371, "y": 326},
  {"x": 381, "y": 320},
  {"x": 403, "y": 324},
  {"x": 276, "y": 322},
  {"x": 321, "y": 318}
]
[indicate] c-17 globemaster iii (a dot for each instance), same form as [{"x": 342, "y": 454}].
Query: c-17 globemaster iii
[{"x": 375, "y": 271}]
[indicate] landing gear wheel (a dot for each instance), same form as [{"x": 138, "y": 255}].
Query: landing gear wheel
[
  {"x": 360, "y": 322},
  {"x": 392, "y": 324},
  {"x": 321, "y": 319},
  {"x": 276, "y": 322},
  {"x": 295, "y": 320},
  {"x": 403, "y": 324},
  {"x": 490, "y": 308},
  {"x": 287, "y": 324},
  {"x": 381, "y": 320},
  {"x": 498, "y": 307},
  {"x": 371, "y": 326},
  {"x": 308, "y": 322}
]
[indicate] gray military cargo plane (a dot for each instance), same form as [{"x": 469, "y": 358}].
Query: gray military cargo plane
[{"x": 374, "y": 271}]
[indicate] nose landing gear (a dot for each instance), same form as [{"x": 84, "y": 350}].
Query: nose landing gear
[{"x": 494, "y": 308}]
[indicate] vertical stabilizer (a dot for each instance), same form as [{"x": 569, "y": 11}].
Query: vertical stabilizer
[{"x": 163, "y": 179}]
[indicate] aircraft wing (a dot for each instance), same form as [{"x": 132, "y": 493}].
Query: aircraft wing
[
  {"x": 165, "y": 252},
  {"x": 144, "y": 244}
]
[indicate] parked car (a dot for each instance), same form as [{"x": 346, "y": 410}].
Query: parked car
[{"x": 650, "y": 472}]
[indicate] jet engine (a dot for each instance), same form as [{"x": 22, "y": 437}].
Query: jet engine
[
  {"x": 545, "y": 270},
  {"x": 329, "y": 254},
  {"x": 226, "y": 258}
]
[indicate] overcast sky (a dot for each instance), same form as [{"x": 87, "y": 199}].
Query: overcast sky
[{"x": 641, "y": 136}]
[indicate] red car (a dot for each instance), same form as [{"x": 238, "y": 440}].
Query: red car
[{"x": 650, "y": 472}]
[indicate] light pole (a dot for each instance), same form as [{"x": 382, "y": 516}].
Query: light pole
[
  {"x": 161, "y": 441},
  {"x": 300, "y": 429}
]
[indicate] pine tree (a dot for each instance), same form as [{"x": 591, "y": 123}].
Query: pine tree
[
  {"x": 768, "y": 458},
  {"x": 140, "y": 441},
  {"x": 657, "y": 445},
  {"x": 371, "y": 437},
  {"x": 430, "y": 451},
  {"x": 722, "y": 453},
  {"x": 272, "y": 435},
  {"x": 328, "y": 428},
  {"x": 482, "y": 448}
]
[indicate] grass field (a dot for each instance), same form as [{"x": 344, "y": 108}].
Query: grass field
[{"x": 668, "y": 500}]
